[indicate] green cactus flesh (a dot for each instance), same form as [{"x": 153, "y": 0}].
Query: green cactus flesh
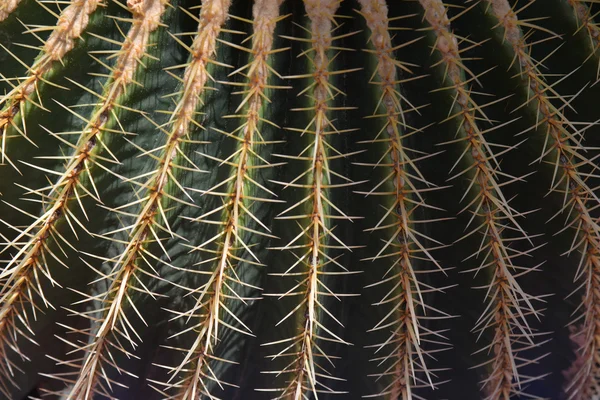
[{"x": 268, "y": 199}]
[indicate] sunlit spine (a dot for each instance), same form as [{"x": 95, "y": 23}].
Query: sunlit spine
[
  {"x": 194, "y": 376},
  {"x": 91, "y": 377},
  {"x": 71, "y": 23}
]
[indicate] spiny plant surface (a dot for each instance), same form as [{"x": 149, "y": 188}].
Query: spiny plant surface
[{"x": 268, "y": 199}]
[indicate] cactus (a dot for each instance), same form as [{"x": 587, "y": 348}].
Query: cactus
[{"x": 314, "y": 199}]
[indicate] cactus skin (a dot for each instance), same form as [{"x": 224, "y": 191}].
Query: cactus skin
[{"x": 229, "y": 199}]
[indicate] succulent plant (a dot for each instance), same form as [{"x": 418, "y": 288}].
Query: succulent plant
[{"x": 316, "y": 199}]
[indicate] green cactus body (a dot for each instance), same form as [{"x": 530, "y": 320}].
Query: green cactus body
[{"x": 277, "y": 199}]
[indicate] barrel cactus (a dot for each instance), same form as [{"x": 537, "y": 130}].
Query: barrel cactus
[{"x": 268, "y": 199}]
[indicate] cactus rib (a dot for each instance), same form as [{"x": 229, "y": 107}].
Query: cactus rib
[
  {"x": 97, "y": 355},
  {"x": 211, "y": 298},
  {"x": 579, "y": 198},
  {"x": 299, "y": 200},
  {"x": 508, "y": 305},
  {"x": 405, "y": 356},
  {"x": 69, "y": 27},
  {"x": 305, "y": 373},
  {"x": 586, "y": 21},
  {"x": 23, "y": 271}
]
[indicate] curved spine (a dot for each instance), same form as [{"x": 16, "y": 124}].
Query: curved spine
[
  {"x": 96, "y": 356},
  {"x": 71, "y": 24},
  {"x": 508, "y": 306},
  {"x": 563, "y": 149},
  {"x": 404, "y": 356},
  {"x": 21, "y": 276}
]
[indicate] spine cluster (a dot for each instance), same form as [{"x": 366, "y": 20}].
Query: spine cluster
[
  {"x": 507, "y": 305},
  {"x": 307, "y": 361},
  {"x": 82, "y": 204},
  {"x": 585, "y": 20},
  {"x": 563, "y": 148},
  {"x": 212, "y": 308},
  {"x": 71, "y": 24},
  {"x": 105, "y": 333},
  {"x": 37, "y": 243},
  {"x": 401, "y": 353}
]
